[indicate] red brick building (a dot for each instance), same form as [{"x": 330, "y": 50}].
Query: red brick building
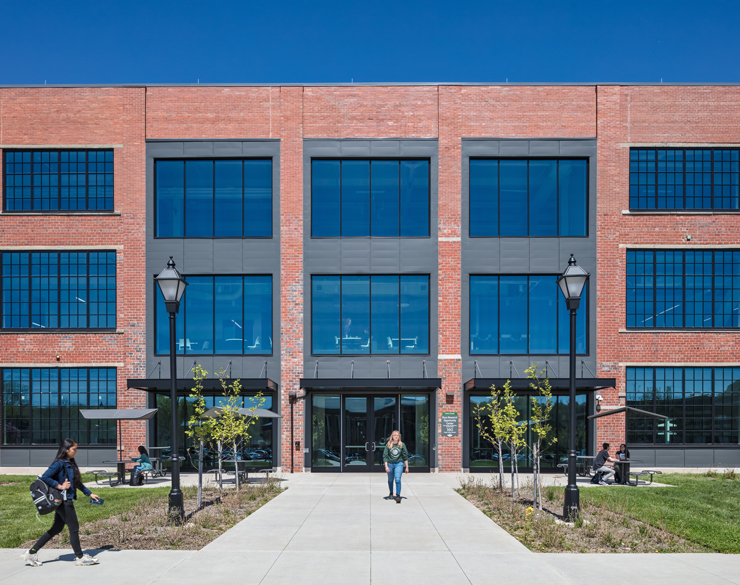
[{"x": 371, "y": 257}]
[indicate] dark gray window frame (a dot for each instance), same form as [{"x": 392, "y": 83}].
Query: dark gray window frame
[{"x": 59, "y": 186}]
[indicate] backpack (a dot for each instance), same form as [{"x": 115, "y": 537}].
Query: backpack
[
  {"x": 45, "y": 498},
  {"x": 136, "y": 478}
]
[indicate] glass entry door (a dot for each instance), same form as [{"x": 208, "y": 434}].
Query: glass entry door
[
  {"x": 368, "y": 423},
  {"x": 349, "y": 432}
]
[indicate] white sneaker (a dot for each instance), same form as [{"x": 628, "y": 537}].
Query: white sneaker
[
  {"x": 31, "y": 559},
  {"x": 86, "y": 560},
  {"x": 603, "y": 483}
]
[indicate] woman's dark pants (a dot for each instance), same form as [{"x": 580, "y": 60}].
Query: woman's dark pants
[{"x": 65, "y": 514}]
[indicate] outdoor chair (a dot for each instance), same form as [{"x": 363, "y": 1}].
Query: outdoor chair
[
  {"x": 645, "y": 473},
  {"x": 104, "y": 474}
]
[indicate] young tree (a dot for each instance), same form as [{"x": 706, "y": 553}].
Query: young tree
[
  {"x": 513, "y": 431},
  {"x": 542, "y": 405},
  {"x": 199, "y": 427},
  {"x": 490, "y": 421},
  {"x": 231, "y": 426}
]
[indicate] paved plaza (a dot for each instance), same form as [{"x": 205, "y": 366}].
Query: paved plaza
[{"x": 338, "y": 529}]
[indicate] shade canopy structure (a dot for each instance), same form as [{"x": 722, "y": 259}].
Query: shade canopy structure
[
  {"x": 625, "y": 409},
  {"x": 119, "y": 414},
  {"x": 216, "y": 411}
]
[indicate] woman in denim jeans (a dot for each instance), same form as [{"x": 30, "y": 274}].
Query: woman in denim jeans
[{"x": 395, "y": 457}]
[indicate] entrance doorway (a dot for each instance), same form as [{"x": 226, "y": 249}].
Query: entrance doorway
[{"x": 349, "y": 431}]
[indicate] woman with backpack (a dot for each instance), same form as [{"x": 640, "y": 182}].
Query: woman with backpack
[
  {"x": 144, "y": 464},
  {"x": 64, "y": 475}
]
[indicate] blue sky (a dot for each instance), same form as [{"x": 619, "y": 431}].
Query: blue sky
[{"x": 276, "y": 41}]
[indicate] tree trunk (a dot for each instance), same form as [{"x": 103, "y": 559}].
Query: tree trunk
[
  {"x": 500, "y": 466},
  {"x": 220, "y": 468},
  {"x": 236, "y": 468},
  {"x": 200, "y": 475},
  {"x": 534, "y": 470}
]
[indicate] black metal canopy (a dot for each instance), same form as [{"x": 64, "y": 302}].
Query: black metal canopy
[
  {"x": 211, "y": 387},
  {"x": 559, "y": 385},
  {"x": 362, "y": 383}
]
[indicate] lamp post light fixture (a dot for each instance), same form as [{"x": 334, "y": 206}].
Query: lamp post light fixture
[
  {"x": 172, "y": 285},
  {"x": 571, "y": 284}
]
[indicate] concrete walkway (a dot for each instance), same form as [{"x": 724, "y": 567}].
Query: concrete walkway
[{"x": 338, "y": 529}]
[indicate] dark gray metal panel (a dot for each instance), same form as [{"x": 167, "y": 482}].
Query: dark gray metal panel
[
  {"x": 227, "y": 149},
  {"x": 670, "y": 458},
  {"x": 514, "y": 148},
  {"x": 228, "y": 256},
  {"x": 15, "y": 457},
  {"x": 95, "y": 457},
  {"x": 41, "y": 457},
  {"x": 645, "y": 456},
  {"x": 389, "y": 148},
  {"x": 354, "y": 148},
  {"x": 544, "y": 147},
  {"x": 699, "y": 457},
  {"x": 343, "y": 256},
  {"x": 544, "y": 253},
  {"x": 198, "y": 149},
  {"x": 215, "y": 256},
  {"x": 197, "y": 256},
  {"x": 164, "y": 149},
  {"x": 525, "y": 255},
  {"x": 727, "y": 458},
  {"x": 514, "y": 255}
]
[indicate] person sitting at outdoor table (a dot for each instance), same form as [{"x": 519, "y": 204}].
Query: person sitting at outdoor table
[
  {"x": 144, "y": 462},
  {"x": 622, "y": 455},
  {"x": 600, "y": 462}
]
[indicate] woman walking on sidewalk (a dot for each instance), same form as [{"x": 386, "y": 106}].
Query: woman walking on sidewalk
[
  {"x": 395, "y": 457},
  {"x": 64, "y": 475}
]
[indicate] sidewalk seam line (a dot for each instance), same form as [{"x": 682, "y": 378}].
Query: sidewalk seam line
[
  {"x": 673, "y": 556},
  {"x": 173, "y": 567},
  {"x": 277, "y": 558},
  {"x": 443, "y": 540}
]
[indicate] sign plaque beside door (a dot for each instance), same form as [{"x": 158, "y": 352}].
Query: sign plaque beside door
[{"x": 450, "y": 425}]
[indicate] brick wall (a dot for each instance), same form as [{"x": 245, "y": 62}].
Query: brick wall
[
  {"x": 654, "y": 115},
  {"x": 126, "y": 116},
  {"x": 82, "y": 116}
]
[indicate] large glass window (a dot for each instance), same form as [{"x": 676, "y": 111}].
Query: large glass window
[
  {"x": 255, "y": 450},
  {"x": 541, "y": 197},
  {"x": 41, "y": 406},
  {"x": 683, "y": 288},
  {"x": 213, "y": 198},
  {"x": 679, "y": 178},
  {"x": 59, "y": 290},
  {"x": 702, "y": 405},
  {"x": 370, "y": 314},
  {"x": 362, "y": 198},
  {"x": 523, "y": 315},
  {"x": 220, "y": 315},
  {"x": 483, "y": 454},
  {"x": 58, "y": 180}
]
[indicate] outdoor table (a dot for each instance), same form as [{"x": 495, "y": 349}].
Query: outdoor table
[
  {"x": 121, "y": 467},
  {"x": 158, "y": 469},
  {"x": 243, "y": 470},
  {"x": 624, "y": 470}
]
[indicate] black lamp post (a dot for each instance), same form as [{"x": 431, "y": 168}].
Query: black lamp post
[
  {"x": 571, "y": 284},
  {"x": 172, "y": 284}
]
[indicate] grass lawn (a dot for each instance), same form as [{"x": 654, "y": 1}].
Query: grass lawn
[
  {"x": 700, "y": 508},
  {"x": 18, "y": 514}
]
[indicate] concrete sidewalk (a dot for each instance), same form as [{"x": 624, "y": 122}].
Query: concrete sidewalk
[{"x": 338, "y": 529}]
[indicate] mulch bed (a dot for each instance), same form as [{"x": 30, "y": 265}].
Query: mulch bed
[
  {"x": 148, "y": 526},
  {"x": 598, "y": 529}
]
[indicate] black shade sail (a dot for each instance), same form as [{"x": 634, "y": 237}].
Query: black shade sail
[
  {"x": 211, "y": 387},
  {"x": 559, "y": 385}
]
